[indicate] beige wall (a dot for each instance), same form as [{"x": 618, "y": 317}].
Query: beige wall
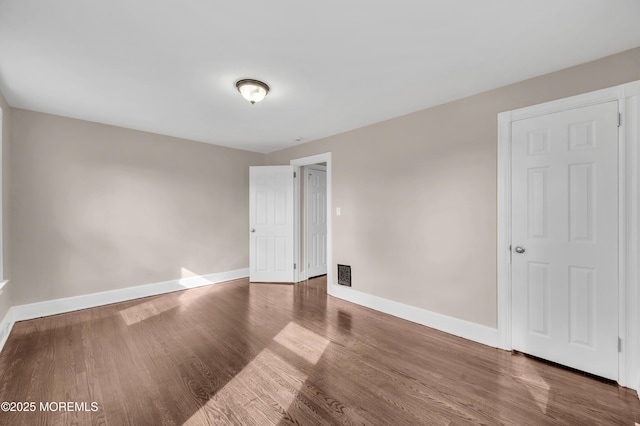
[
  {"x": 93, "y": 207},
  {"x": 96, "y": 207},
  {"x": 5, "y": 297},
  {"x": 418, "y": 193}
]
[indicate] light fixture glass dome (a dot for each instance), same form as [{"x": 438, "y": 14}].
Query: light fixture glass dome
[{"x": 252, "y": 90}]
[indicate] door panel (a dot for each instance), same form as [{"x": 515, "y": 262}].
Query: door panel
[
  {"x": 271, "y": 224},
  {"x": 538, "y": 293},
  {"x": 582, "y": 306},
  {"x": 537, "y": 193},
  {"x": 565, "y": 217}
]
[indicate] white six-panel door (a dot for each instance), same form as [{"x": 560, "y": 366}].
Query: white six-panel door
[
  {"x": 316, "y": 212},
  {"x": 271, "y": 222},
  {"x": 565, "y": 238}
]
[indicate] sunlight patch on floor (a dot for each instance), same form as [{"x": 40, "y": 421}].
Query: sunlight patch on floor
[
  {"x": 538, "y": 388},
  {"x": 146, "y": 310},
  {"x": 143, "y": 311},
  {"x": 302, "y": 342},
  {"x": 190, "y": 280},
  {"x": 187, "y": 298},
  {"x": 263, "y": 391}
]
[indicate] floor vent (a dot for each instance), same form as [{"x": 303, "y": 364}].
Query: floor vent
[{"x": 344, "y": 275}]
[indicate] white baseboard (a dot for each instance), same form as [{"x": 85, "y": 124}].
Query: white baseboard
[
  {"x": 465, "y": 329},
  {"x": 68, "y": 304},
  {"x": 461, "y": 328}
]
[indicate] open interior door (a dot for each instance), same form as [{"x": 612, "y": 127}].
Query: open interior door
[{"x": 271, "y": 224}]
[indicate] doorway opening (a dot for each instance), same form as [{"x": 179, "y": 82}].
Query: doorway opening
[{"x": 313, "y": 221}]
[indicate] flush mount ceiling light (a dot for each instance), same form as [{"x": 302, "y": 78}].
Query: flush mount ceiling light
[{"x": 252, "y": 90}]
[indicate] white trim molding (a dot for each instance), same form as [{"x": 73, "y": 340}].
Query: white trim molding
[
  {"x": 468, "y": 330},
  {"x": 628, "y": 98},
  {"x": 69, "y": 304},
  {"x": 504, "y": 230}
]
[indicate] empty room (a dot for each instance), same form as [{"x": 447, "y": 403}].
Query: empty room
[{"x": 359, "y": 213}]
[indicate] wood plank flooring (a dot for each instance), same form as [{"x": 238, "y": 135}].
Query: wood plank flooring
[{"x": 239, "y": 353}]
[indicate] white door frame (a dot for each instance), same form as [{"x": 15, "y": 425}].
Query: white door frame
[
  {"x": 305, "y": 201},
  {"x": 628, "y": 97},
  {"x": 307, "y": 161}
]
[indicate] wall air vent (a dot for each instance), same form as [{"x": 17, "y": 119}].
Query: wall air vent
[{"x": 344, "y": 275}]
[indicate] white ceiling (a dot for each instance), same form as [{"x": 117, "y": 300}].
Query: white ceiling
[{"x": 170, "y": 67}]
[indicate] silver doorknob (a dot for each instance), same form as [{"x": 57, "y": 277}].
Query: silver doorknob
[
  {"x": 520, "y": 249},
  {"x": 252, "y": 230}
]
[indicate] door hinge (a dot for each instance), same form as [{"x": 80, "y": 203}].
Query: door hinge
[
  {"x": 295, "y": 266},
  {"x": 619, "y": 119},
  {"x": 294, "y": 174},
  {"x": 619, "y": 344}
]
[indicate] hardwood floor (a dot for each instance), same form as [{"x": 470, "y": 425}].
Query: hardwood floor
[{"x": 240, "y": 353}]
